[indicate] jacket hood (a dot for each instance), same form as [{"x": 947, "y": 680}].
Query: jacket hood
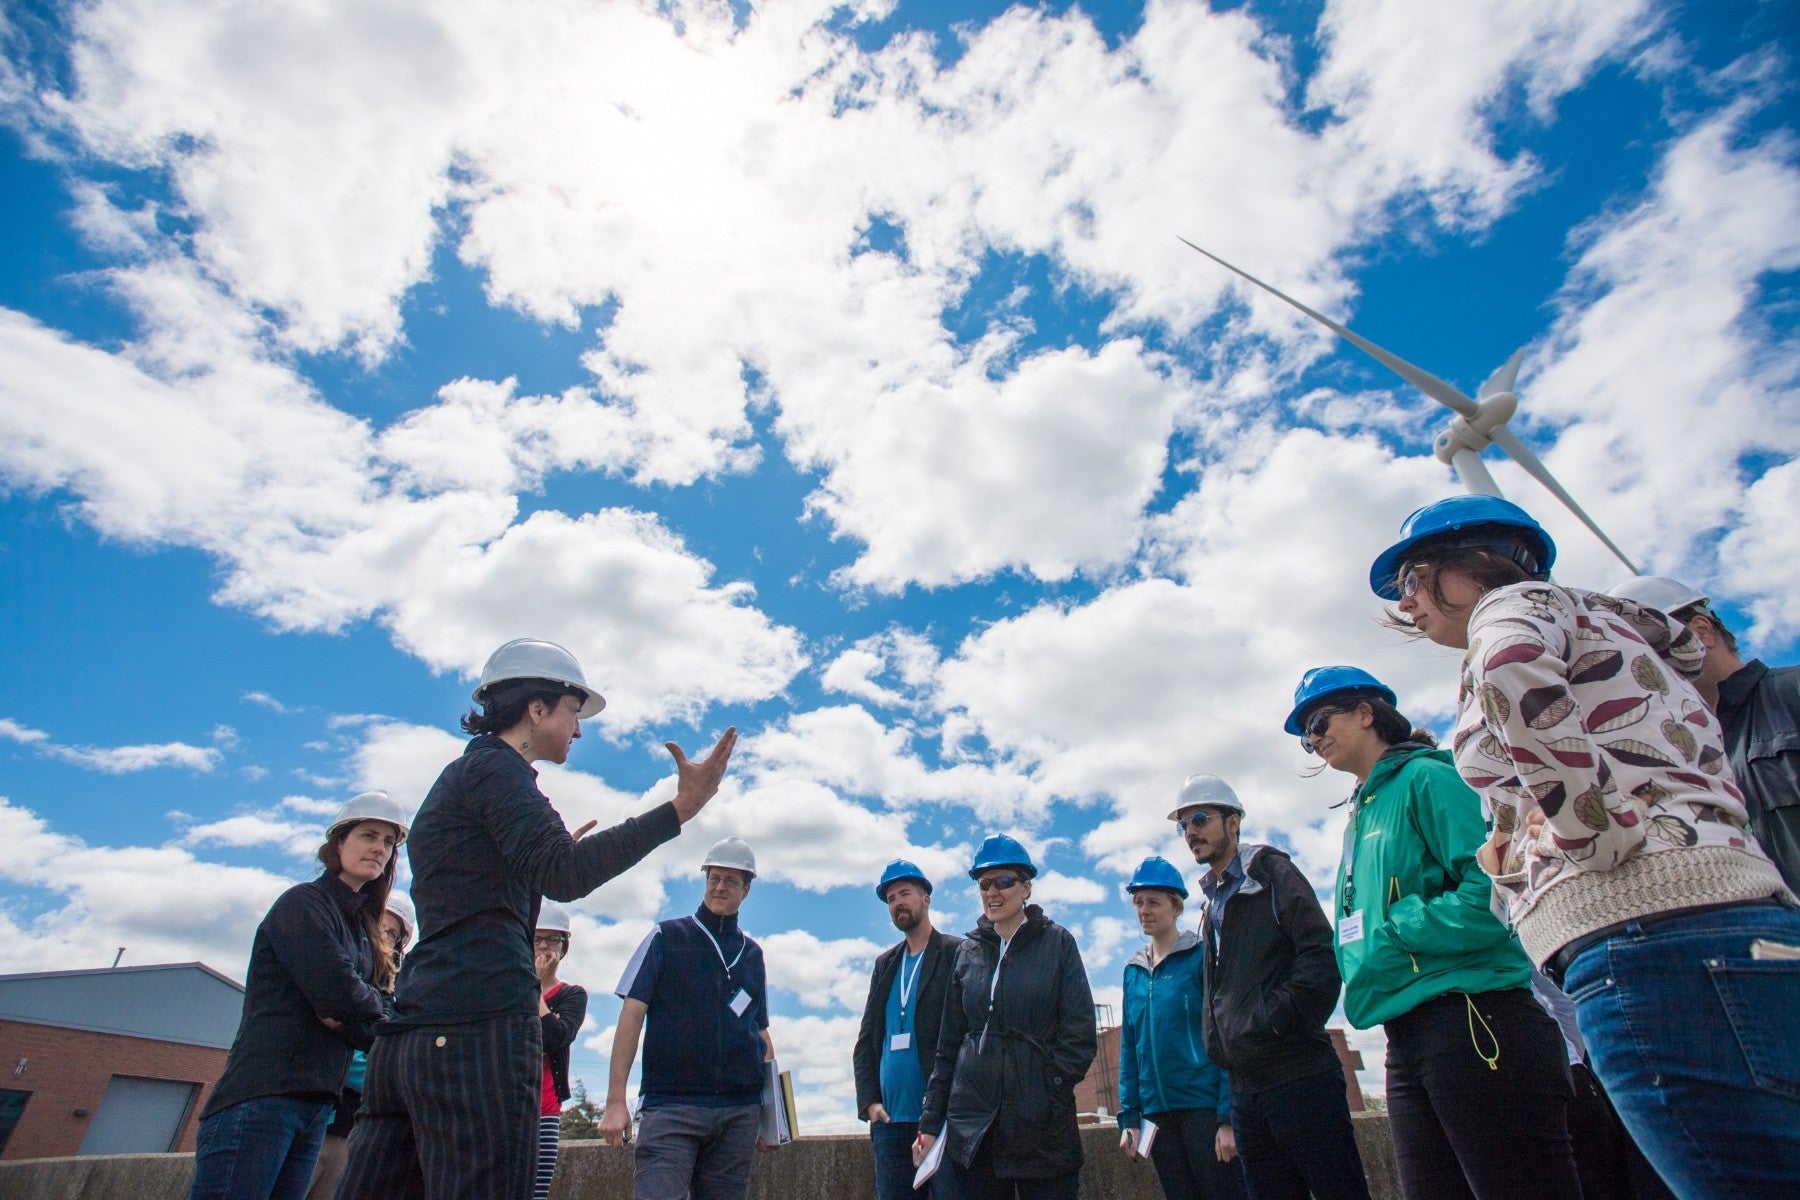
[
  {"x": 1187, "y": 939},
  {"x": 1248, "y": 853},
  {"x": 1397, "y": 756},
  {"x": 984, "y": 928}
]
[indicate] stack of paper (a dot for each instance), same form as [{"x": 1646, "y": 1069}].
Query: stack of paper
[{"x": 778, "y": 1122}]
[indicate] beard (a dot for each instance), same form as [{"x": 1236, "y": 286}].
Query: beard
[{"x": 906, "y": 920}]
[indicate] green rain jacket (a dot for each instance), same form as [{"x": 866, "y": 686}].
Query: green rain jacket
[{"x": 1409, "y": 872}]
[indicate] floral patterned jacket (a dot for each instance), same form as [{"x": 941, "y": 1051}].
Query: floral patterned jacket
[{"x": 1576, "y": 703}]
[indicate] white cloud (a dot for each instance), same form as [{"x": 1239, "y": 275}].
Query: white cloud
[
  {"x": 117, "y": 760},
  {"x": 269, "y": 702},
  {"x": 161, "y": 903},
  {"x": 822, "y": 973}
]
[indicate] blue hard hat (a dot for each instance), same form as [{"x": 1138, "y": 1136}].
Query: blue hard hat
[
  {"x": 897, "y": 870},
  {"x": 1502, "y": 521},
  {"x": 1002, "y": 851},
  {"x": 1321, "y": 682},
  {"x": 1157, "y": 872}
]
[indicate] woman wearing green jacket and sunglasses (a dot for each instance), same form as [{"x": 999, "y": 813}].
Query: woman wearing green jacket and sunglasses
[{"x": 1470, "y": 1051}]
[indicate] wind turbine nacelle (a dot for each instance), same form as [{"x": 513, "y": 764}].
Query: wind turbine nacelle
[{"x": 1475, "y": 433}]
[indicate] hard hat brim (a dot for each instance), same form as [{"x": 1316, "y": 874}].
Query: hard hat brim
[{"x": 400, "y": 830}]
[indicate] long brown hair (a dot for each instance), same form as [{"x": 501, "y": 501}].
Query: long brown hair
[
  {"x": 375, "y": 898},
  {"x": 1488, "y": 568}
]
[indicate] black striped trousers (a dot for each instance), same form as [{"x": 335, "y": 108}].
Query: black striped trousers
[{"x": 449, "y": 1112}]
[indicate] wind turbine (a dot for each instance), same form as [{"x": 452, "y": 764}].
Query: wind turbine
[{"x": 1475, "y": 425}]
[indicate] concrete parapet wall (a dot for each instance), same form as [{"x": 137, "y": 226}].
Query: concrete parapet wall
[{"x": 821, "y": 1168}]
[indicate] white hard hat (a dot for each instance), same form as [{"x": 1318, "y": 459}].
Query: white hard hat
[
  {"x": 370, "y": 806},
  {"x": 401, "y": 905},
  {"x": 1658, "y": 592},
  {"x": 733, "y": 852},
  {"x": 534, "y": 658},
  {"x": 554, "y": 917},
  {"x": 1209, "y": 790}
]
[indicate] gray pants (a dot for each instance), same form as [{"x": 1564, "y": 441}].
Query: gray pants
[{"x": 685, "y": 1150}]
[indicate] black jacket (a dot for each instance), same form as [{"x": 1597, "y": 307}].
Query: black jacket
[
  {"x": 1011, "y": 1073},
  {"x": 568, "y": 1009},
  {"x": 310, "y": 959},
  {"x": 1759, "y": 711},
  {"x": 1271, "y": 976},
  {"x": 934, "y": 977},
  {"x": 485, "y": 846}
]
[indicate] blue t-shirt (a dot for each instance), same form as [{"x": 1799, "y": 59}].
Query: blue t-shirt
[{"x": 902, "y": 1082}]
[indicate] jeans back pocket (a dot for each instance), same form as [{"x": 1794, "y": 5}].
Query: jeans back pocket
[{"x": 1761, "y": 999}]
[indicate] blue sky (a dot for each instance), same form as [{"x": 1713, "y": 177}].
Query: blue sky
[{"x": 834, "y": 372}]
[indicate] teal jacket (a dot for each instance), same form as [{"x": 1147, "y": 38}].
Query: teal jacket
[
  {"x": 1163, "y": 1065},
  {"x": 1409, "y": 872}
]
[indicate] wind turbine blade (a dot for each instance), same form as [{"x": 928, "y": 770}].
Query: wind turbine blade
[
  {"x": 1444, "y": 393},
  {"x": 1502, "y": 379},
  {"x": 1520, "y": 453}
]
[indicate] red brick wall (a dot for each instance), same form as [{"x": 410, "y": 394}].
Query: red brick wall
[{"x": 67, "y": 1069}]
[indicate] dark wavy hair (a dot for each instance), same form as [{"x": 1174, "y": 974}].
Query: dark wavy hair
[
  {"x": 506, "y": 703},
  {"x": 1488, "y": 567},
  {"x": 376, "y": 891},
  {"x": 1391, "y": 725}
]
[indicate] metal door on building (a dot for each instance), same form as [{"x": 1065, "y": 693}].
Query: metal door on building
[{"x": 139, "y": 1116}]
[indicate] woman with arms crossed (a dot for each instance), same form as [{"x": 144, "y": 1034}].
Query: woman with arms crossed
[{"x": 313, "y": 993}]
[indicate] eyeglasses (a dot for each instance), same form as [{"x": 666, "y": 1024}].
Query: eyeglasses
[
  {"x": 548, "y": 939},
  {"x": 1410, "y": 583},
  {"x": 1197, "y": 820},
  {"x": 1002, "y": 882}
]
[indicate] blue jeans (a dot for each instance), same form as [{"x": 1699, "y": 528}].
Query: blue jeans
[
  {"x": 1295, "y": 1138},
  {"x": 1697, "y": 1044},
  {"x": 892, "y": 1142},
  {"x": 261, "y": 1149}
]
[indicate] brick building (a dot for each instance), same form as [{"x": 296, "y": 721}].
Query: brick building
[{"x": 111, "y": 1061}]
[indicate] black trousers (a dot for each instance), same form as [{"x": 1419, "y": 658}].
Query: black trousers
[
  {"x": 1185, "y": 1155},
  {"x": 1295, "y": 1140},
  {"x": 1466, "y": 1129},
  {"x": 450, "y": 1112}
]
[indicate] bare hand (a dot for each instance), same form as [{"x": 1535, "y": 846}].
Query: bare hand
[
  {"x": 615, "y": 1124},
  {"x": 1225, "y": 1144},
  {"x": 764, "y": 1146},
  {"x": 698, "y": 782},
  {"x": 922, "y": 1147},
  {"x": 1128, "y": 1142},
  {"x": 329, "y": 1023},
  {"x": 878, "y": 1115},
  {"x": 584, "y": 830}
]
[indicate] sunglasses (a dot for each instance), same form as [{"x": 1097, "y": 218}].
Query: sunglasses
[
  {"x": 1197, "y": 820},
  {"x": 1315, "y": 728},
  {"x": 1001, "y": 882}
]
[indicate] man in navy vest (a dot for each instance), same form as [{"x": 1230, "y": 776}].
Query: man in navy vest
[
  {"x": 897, "y": 1044},
  {"x": 695, "y": 992}
]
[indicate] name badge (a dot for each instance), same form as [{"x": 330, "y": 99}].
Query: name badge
[
  {"x": 740, "y": 1002},
  {"x": 900, "y": 1041},
  {"x": 1350, "y": 929}
]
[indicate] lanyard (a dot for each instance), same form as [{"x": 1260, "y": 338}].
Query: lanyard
[
  {"x": 1356, "y": 807},
  {"x": 995, "y": 982},
  {"x": 906, "y": 985},
  {"x": 719, "y": 952}
]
